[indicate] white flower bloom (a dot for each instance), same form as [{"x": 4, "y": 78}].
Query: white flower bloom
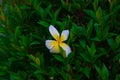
[{"x": 54, "y": 45}]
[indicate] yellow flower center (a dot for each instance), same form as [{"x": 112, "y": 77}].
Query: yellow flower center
[{"x": 59, "y": 41}]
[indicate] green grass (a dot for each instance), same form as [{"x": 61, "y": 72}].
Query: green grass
[{"x": 94, "y": 27}]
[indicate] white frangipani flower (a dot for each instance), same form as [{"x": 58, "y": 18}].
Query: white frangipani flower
[{"x": 54, "y": 45}]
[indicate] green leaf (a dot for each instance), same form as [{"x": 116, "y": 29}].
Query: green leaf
[
  {"x": 95, "y": 4},
  {"x": 98, "y": 31},
  {"x": 99, "y": 14},
  {"x": 112, "y": 44},
  {"x": 83, "y": 43},
  {"x": 34, "y": 43},
  {"x": 58, "y": 57},
  {"x": 70, "y": 56},
  {"x": 86, "y": 71},
  {"x": 3, "y": 73},
  {"x": 44, "y": 24},
  {"x": 2, "y": 29},
  {"x": 92, "y": 49},
  {"x": 117, "y": 77},
  {"x": 41, "y": 12},
  {"x": 105, "y": 32},
  {"x": 78, "y": 30},
  {"x": 111, "y": 34},
  {"x": 63, "y": 3},
  {"x": 54, "y": 16},
  {"x": 85, "y": 57},
  {"x": 89, "y": 29},
  {"x": 38, "y": 74},
  {"x": 65, "y": 75},
  {"x": 17, "y": 31},
  {"x": 35, "y": 59},
  {"x": 117, "y": 57},
  {"x": 118, "y": 39},
  {"x": 24, "y": 41},
  {"x": 105, "y": 73},
  {"x": 98, "y": 70},
  {"x": 95, "y": 39},
  {"x": 14, "y": 76},
  {"x": 47, "y": 9},
  {"x": 104, "y": 20},
  {"x": 31, "y": 57},
  {"x": 41, "y": 57},
  {"x": 91, "y": 14}
]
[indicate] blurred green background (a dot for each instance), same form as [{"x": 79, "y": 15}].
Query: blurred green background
[{"x": 94, "y": 27}]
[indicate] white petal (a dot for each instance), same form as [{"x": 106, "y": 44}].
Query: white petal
[
  {"x": 52, "y": 45},
  {"x": 54, "y": 32},
  {"x": 55, "y": 49},
  {"x": 49, "y": 43},
  {"x": 64, "y": 35},
  {"x": 66, "y": 48}
]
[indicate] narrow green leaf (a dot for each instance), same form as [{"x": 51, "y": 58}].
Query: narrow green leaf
[
  {"x": 83, "y": 43},
  {"x": 17, "y": 31},
  {"x": 44, "y": 24},
  {"x": 58, "y": 57},
  {"x": 98, "y": 31},
  {"x": 117, "y": 57},
  {"x": 105, "y": 32},
  {"x": 98, "y": 70},
  {"x": 91, "y": 14},
  {"x": 91, "y": 49},
  {"x": 105, "y": 73},
  {"x": 55, "y": 16},
  {"x": 85, "y": 57},
  {"x": 47, "y": 10},
  {"x": 112, "y": 44},
  {"x": 118, "y": 39},
  {"x": 99, "y": 14},
  {"x": 89, "y": 29},
  {"x": 117, "y": 77},
  {"x": 86, "y": 71},
  {"x": 95, "y": 4},
  {"x": 34, "y": 43}
]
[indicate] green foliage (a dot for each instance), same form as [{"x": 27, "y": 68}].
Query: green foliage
[{"x": 94, "y": 39}]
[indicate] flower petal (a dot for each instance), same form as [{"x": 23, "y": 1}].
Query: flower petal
[
  {"x": 64, "y": 35},
  {"x": 50, "y": 43},
  {"x": 54, "y": 32},
  {"x": 66, "y": 48},
  {"x": 55, "y": 49}
]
